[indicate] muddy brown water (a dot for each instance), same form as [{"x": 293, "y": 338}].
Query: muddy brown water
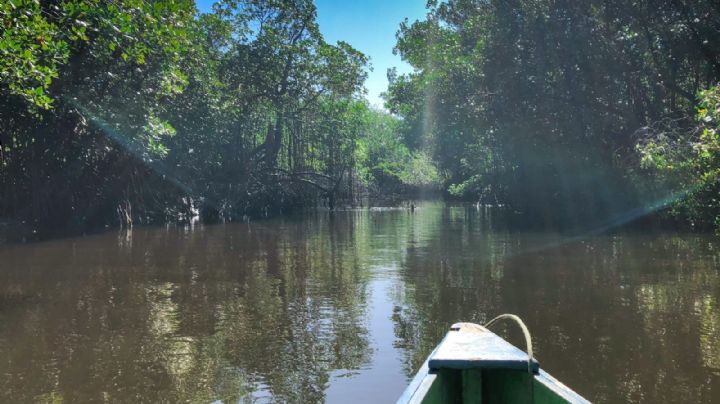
[{"x": 344, "y": 307}]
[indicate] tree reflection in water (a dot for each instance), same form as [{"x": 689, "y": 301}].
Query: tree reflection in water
[
  {"x": 183, "y": 315},
  {"x": 292, "y": 310},
  {"x": 621, "y": 318}
]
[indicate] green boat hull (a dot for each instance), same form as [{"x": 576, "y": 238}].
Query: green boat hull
[{"x": 457, "y": 372}]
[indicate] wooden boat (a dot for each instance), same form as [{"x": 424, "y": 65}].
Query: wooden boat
[{"x": 474, "y": 365}]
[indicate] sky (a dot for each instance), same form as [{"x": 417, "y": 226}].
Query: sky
[{"x": 370, "y": 27}]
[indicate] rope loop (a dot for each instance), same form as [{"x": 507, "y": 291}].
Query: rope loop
[{"x": 526, "y": 333}]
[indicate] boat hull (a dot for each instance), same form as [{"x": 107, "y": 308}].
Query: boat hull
[{"x": 476, "y": 375}]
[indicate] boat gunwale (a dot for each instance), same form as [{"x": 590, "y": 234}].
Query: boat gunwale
[{"x": 420, "y": 384}]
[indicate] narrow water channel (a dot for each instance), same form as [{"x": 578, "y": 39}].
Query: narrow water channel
[{"x": 344, "y": 307}]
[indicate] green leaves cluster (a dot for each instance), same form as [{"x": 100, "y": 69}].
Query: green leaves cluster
[
  {"x": 689, "y": 161},
  {"x": 387, "y": 162},
  {"x": 30, "y": 51}
]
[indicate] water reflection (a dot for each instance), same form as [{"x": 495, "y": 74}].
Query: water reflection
[
  {"x": 625, "y": 317},
  {"x": 346, "y": 306},
  {"x": 171, "y": 315}
]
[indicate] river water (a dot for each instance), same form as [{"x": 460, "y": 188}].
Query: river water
[{"x": 344, "y": 307}]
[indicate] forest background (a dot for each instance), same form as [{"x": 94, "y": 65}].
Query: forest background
[{"x": 571, "y": 114}]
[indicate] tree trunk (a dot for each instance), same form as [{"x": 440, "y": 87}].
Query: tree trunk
[{"x": 273, "y": 141}]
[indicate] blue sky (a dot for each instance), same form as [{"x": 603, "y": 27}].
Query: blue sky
[{"x": 369, "y": 26}]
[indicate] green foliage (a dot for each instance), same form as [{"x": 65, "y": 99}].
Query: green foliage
[
  {"x": 688, "y": 162},
  {"x": 387, "y": 162},
  {"x": 537, "y": 104},
  {"x": 421, "y": 171},
  {"x": 147, "y": 110},
  {"x": 532, "y": 104},
  {"x": 30, "y": 51},
  {"x": 155, "y": 131}
]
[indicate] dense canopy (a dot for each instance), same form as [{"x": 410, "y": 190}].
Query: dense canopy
[
  {"x": 150, "y": 111},
  {"x": 572, "y": 113}
]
